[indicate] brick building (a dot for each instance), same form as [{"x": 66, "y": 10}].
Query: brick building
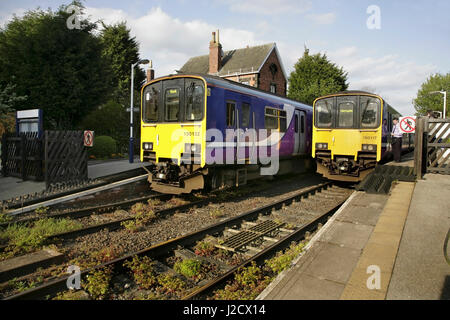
[{"x": 258, "y": 66}]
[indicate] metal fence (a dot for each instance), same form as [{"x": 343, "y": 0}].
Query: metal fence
[{"x": 432, "y": 154}]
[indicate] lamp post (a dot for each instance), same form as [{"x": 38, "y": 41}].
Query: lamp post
[
  {"x": 131, "y": 149},
  {"x": 445, "y": 100}
]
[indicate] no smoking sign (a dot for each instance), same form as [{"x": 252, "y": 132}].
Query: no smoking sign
[
  {"x": 88, "y": 138},
  {"x": 408, "y": 124}
]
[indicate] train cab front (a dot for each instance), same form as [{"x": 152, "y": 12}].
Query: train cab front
[
  {"x": 173, "y": 112},
  {"x": 347, "y": 135}
]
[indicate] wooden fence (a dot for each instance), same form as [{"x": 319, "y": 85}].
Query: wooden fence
[
  {"x": 432, "y": 147},
  {"x": 58, "y": 156}
]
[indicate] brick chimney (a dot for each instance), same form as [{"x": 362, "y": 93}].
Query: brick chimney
[
  {"x": 150, "y": 72},
  {"x": 215, "y": 57}
]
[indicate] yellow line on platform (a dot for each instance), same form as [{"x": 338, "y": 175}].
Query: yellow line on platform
[{"x": 371, "y": 276}]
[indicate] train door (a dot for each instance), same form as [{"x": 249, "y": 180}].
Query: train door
[
  {"x": 299, "y": 132},
  {"x": 170, "y": 117}
]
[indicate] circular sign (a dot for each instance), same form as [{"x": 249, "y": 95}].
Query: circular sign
[
  {"x": 408, "y": 124},
  {"x": 88, "y": 138}
]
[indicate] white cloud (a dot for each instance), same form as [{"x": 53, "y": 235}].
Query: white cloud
[
  {"x": 393, "y": 78},
  {"x": 5, "y": 17},
  {"x": 170, "y": 42},
  {"x": 269, "y": 7},
  {"x": 325, "y": 18}
]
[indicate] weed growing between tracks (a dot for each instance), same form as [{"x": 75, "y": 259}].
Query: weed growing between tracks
[
  {"x": 250, "y": 281},
  {"x": 143, "y": 214},
  {"x": 189, "y": 268},
  {"x": 22, "y": 239},
  {"x": 97, "y": 283},
  {"x": 143, "y": 271}
]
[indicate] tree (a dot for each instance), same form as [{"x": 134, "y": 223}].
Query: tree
[
  {"x": 104, "y": 124},
  {"x": 8, "y": 104},
  {"x": 426, "y": 101},
  {"x": 121, "y": 50},
  {"x": 60, "y": 70},
  {"x": 315, "y": 76}
]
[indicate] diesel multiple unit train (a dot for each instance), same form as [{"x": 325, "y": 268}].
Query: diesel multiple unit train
[
  {"x": 351, "y": 134},
  {"x": 205, "y": 132},
  {"x": 201, "y": 131}
]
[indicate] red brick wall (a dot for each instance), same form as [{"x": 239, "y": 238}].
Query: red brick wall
[{"x": 266, "y": 78}]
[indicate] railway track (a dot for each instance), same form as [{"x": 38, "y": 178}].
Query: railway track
[{"x": 240, "y": 235}]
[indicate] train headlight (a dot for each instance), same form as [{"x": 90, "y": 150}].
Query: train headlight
[
  {"x": 148, "y": 146},
  {"x": 192, "y": 148},
  {"x": 369, "y": 147},
  {"x": 322, "y": 146}
]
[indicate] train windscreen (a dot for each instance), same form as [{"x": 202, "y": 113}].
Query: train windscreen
[
  {"x": 175, "y": 100},
  {"x": 348, "y": 112}
]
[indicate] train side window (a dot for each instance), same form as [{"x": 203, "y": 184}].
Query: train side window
[
  {"x": 345, "y": 112},
  {"x": 302, "y": 124},
  {"x": 296, "y": 123},
  {"x": 231, "y": 114},
  {"x": 151, "y": 103},
  {"x": 245, "y": 115},
  {"x": 172, "y": 102}
]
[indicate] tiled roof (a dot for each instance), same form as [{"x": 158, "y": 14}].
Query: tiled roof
[{"x": 243, "y": 60}]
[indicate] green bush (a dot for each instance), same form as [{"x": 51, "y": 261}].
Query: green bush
[{"x": 104, "y": 146}]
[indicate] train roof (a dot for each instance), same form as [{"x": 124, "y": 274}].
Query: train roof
[{"x": 229, "y": 84}]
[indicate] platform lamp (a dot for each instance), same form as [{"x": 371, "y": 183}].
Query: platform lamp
[
  {"x": 445, "y": 100},
  {"x": 131, "y": 149}
]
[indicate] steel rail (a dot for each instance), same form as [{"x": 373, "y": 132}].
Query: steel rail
[
  {"x": 161, "y": 249},
  {"x": 84, "y": 212}
]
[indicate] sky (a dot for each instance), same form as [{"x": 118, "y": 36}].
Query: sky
[{"x": 388, "y": 47}]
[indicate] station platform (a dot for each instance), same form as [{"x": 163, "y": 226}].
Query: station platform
[
  {"x": 11, "y": 187},
  {"x": 376, "y": 247}
]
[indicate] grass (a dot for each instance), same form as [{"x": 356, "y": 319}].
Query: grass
[{"x": 24, "y": 238}]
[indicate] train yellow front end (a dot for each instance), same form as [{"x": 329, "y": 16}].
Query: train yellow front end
[
  {"x": 173, "y": 130},
  {"x": 347, "y": 135}
]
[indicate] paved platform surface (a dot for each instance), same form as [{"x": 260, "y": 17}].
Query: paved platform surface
[
  {"x": 13, "y": 187},
  {"x": 376, "y": 247}
]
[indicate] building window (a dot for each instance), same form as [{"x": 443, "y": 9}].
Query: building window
[{"x": 273, "y": 88}]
